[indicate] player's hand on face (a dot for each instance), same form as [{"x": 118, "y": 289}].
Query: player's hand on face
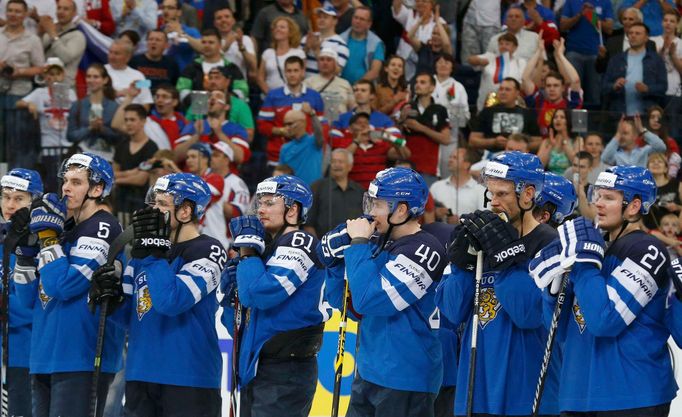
[{"x": 360, "y": 227}]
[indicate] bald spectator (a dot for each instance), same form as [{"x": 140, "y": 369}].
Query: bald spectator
[
  {"x": 156, "y": 66},
  {"x": 527, "y": 40},
  {"x": 303, "y": 151},
  {"x": 137, "y": 15},
  {"x": 63, "y": 40},
  {"x": 652, "y": 11},
  {"x": 124, "y": 77}
]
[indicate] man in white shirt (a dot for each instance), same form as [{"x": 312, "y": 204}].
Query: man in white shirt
[
  {"x": 336, "y": 92},
  {"x": 459, "y": 193},
  {"x": 122, "y": 76},
  {"x": 528, "y": 41}
]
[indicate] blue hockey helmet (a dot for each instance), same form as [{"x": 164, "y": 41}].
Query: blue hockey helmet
[
  {"x": 99, "y": 170},
  {"x": 183, "y": 187},
  {"x": 398, "y": 185},
  {"x": 633, "y": 181},
  {"x": 523, "y": 169},
  {"x": 560, "y": 192},
  {"x": 22, "y": 179},
  {"x": 291, "y": 188}
]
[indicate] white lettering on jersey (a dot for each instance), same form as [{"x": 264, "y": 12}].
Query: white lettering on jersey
[
  {"x": 294, "y": 259},
  {"x": 637, "y": 280},
  {"x": 411, "y": 274}
]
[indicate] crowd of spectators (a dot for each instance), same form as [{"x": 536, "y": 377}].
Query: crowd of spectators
[{"x": 334, "y": 91}]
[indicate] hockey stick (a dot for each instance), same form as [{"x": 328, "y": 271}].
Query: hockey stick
[
  {"x": 116, "y": 246},
  {"x": 474, "y": 334},
  {"x": 550, "y": 342},
  {"x": 340, "y": 351},
  {"x": 234, "y": 402}
]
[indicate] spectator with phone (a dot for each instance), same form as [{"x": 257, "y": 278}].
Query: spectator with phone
[
  {"x": 623, "y": 149},
  {"x": 123, "y": 76}
]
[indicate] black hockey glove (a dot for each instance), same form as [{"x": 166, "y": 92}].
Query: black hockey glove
[
  {"x": 152, "y": 231},
  {"x": 19, "y": 237},
  {"x": 106, "y": 283},
  {"x": 460, "y": 251},
  {"x": 498, "y": 239}
]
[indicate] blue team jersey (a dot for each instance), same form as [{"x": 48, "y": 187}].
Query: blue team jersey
[
  {"x": 511, "y": 335},
  {"x": 280, "y": 293},
  {"x": 64, "y": 330},
  {"x": 20, "y": 319},
  {"x": 172, "y": 335},
  {"x": 394, "y": 292},
  {"x": 615, "y": 353},
  {"x": 673, "y": 319}
]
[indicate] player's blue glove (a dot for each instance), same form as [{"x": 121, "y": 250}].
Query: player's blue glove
[
  {"x": 48, "y": 213},
  {"x": 581, "y": 241},
  {"x": 675, "y": 274},
  {"x": 248, "y": 232},
  {"x": 460, "y": 251},
  {"x": 546, "y": 268},
  {"x": 228, "y": 282},
  {"x": 334, "y": 242},
  {"x": 498, "y": 239}
]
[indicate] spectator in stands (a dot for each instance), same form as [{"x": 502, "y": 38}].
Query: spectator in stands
[
  {"x": 580, "y": 177},
  {"x": 303, "y": 151},
  {"x": 555, "y": 94},
  {"x": 497, "y": 67},
  {"x": 237, "y": 47},
  {"x": 656, "y": 124},
  {"x": 623, "y": 149},
  {"x": 516, "y": 142},
  {"x": 594, "y": 166},
  {"x": 427, "y": 52},
  {"x": 427, "y": 126},
  {"x": 458, "y": 193},
  {"x": 215, "y": 128},
  {"x": 536, "y": 15},
  {"x": 559, "y": 148},
  {"x": 122, "y": 76},
  {"x": 21, "y": 58},
  {"x": 364, "y": 94},
  {"x": 344, "y": 12},
  {"x": 493, "y": 125},
  {"x": 452, "y": 95},
  {"x": 165, "y": 115},
  {"x": 90, "y": 118},
  {"x": 371, "y": 153},
  {"x": 624, "y": 83},
  {"x": 618, "y": 42},
  {"x": 652, "y": 11},
  {"x": 669, "y": 47},
  {"x": 336, "y": 197},
  {"x": 391, "y": 88},
  {"x": 194, "y": 74},
  {"x": 137, "y": 15},
  {"x": 279, "y": 101},
  {"x": 481, "y": 22},
  {"x": 285, "y": 41},
  {"x": 132, "y": 177},
  {"x": 154, "y": 64},
  {"x": 219, "y": 78},
  {"x": 63, "y": 39},
  {"x": 177, "y": 33},
  {"x": 36, "y": 9},
  {"x": 526, "y": 39},
  {"x": 98, "y": 14},
  {"x": 583, "y": 40},
  {"x": 668, "y": 192},
  {"x": 235, "y": 195},
  {"x": 282, "y": 169},
  {"x": 262, "y": 26},
  {"x": 152, "y": 129},
  {"x": 365, "y": 49},
  {"x": 326, "y": 38},
  {"x": 132, "y": 37},
  {"x": 336, "y": 92},
  {"x": 420, "y": 24}
]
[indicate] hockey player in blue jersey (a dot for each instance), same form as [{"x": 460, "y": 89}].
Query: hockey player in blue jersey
[
  {"x": 511, "y": 335},
  {"x": 74, "y": 234},
  {"x": 556, "y": 201},
  {"x": 20, "y": 187},
  {"x": 615, "y": 359},
  {"x": 281, "y": 287},
  {"x": 392, "y": 283},
  {"x": 674, "y": 304},
  {"x": 174, "y": 363}
]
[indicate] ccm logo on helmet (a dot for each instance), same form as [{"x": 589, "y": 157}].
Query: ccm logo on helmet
[
  {"x": 593, "y": 247},
  {"x": 155, "y": 241},
  {"x": 514, "y": 250}
]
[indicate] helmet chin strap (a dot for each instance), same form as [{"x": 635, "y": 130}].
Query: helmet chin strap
[
  {"x": 383, "y": 240},
  {"x": 269, "y": 245},
  {"x": 626, "y": 222},
  {"x": 180, "y": 224}
]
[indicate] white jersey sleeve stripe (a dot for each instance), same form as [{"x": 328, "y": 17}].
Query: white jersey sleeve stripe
[
  {"x": 288, "y": 286},
  {"x": 398, "y": 301},
  {"x": 620, "y": 306},
  {"x": 410, "y": 273},
  {"x": 294, "y": 259},
  {"x": 205, "y": 269},
  {"x": 636, "y": 280},
  {"x": 192, "y": 286},
  {"x": 128, "y": 289},
  {"x": 91, "y": 248},
  {"x": 85, "y": 270},
  {"x": 324, "y": 307}
]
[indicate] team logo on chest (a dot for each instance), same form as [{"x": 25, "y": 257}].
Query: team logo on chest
[
  {"x": 44, "y": 298},
  {"x": 578, "y": 316},
  {"x": 143, "y": 301},
  {"x": 488, "y": 305}
]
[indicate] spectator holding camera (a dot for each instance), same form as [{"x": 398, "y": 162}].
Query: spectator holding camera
[
  {"x": 123, "y": 76},
  {"x": 623, "y": 149}
]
